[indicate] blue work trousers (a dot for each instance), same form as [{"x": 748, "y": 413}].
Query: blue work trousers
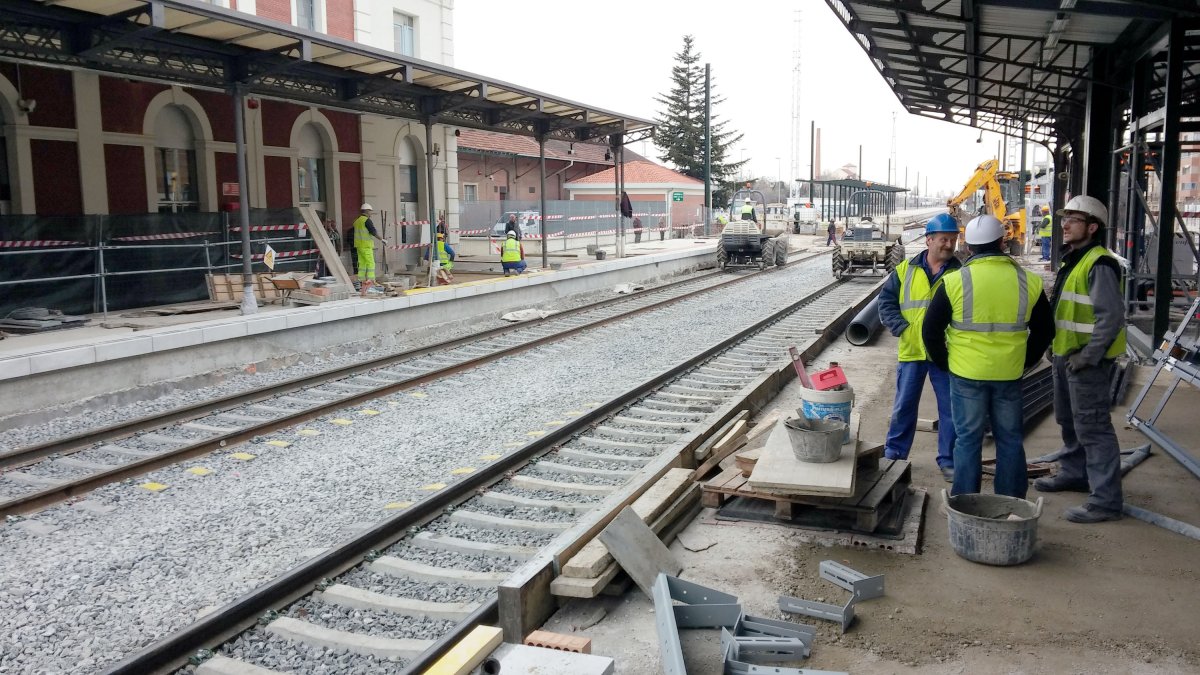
[
  {"x": 1045, "y": 248},
  {"x": 513, "y": 267},
  {"x": 975, "y": 402},
  {"x": 910, "y": 381}
]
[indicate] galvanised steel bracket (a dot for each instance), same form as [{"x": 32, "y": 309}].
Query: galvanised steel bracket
[
  {"x": 732, "y": 650},
  {"x": 862, "y": 586},
  {"x": 819, "y": 610},
  {"x": 705, "y": 608}
]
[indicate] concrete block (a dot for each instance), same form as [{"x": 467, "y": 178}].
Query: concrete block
[
  {"x": 466, "y": 292},
  {"x": 367, "y": 308},
  {"x": 265, "y": 324},
  {"x": 319, "y": 636},
  {"x": 422, "y": 299},
  {"x": 14, "y": 367},
  {"x": 358, "y": 598},
  {"x": 394, "y": 304},
  {"x": 336, "y": 312},
  {"x": 124, "y": 348},
  {"x": 226, "y": 331},
  {"x": 58, "y": 359},
  {"x": 177, "y": 339},
  {"x": 303, "y": 318},
  {"x": 525, "y": 660}
]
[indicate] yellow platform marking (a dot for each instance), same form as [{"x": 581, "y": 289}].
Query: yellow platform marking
[
  {"x": 490, "y": 457},
  {"x": 279, "y": 444},
  {"x": 244, "y": 456},
  {"x": 462, "y": 470},
  {"x": 419, "y": 394},
  {"x": 341, "y": 421},
  {"x": 592, "y": 404},
  {"x": 154, "y": 487},
  {"x": 556, "y": 423},
  {"x": 309, "y": 432},
  {"x": 537, "y": 432},
  {"x": 433, "y": 487},
  {"x": 397, "y": 505},
  {"x": 418, "y": 291},
  {"x": 198, "y": 471},
  {"x": 368, "y": 412},
  {"x": 513, "y": 444},
  {"x": 468, "y": 652},
  {"x": 574, "y": 413}
]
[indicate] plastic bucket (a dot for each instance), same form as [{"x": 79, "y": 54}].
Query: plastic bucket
[
  {"x": 992, "y": 529},
  {"x": 834, "y": 406},
  {"x": 816, "y": 441},
  {"x": 600, "y": 255}
]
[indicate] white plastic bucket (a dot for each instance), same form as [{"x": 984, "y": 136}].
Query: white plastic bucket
[{"x": 828, "y": 405}]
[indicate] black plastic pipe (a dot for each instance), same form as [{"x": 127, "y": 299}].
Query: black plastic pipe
[{"x": 864, "y": 326}]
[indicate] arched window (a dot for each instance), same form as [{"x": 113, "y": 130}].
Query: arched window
[
  {"x": 5, "y": 182},
  {"x": 175, "y": 161},
  {"x": 310, "y": 167}
]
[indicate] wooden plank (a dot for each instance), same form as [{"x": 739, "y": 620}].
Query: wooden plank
[
  {"x": 761, "y": 427},
  {"x": 594, "y": 556},
  {"x": 704, "y": 449},
  {"x": 778, "y": 469},
  {"x": 746, "y": 459},
  {"x": 724, "y": 448},
  {"x": 328, "y": 251},
  {"x": 468, "y": 652},
  {"x": 638, "y": 551},
  {"x": 896, "y": 472}
]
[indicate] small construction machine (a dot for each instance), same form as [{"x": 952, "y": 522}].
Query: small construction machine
[
  {"x": 865, "y": 250},
  {"x": 746, "y": 243},
  {"x": 1002, "y": 192}
]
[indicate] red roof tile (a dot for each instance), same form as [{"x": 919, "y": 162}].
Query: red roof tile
[
  {"x": 640, "y": 171},
  {"x": 524, "y": 146}
]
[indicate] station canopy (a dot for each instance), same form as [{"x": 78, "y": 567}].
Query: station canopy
[
  {"x": 195, "y": 44},
  {"x": 860, "y": 185},
  {"x": 995, "y": 64}
]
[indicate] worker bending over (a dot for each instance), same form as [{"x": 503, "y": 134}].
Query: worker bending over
[
  {"x": 903, "y": 301},
  {"x": 1089, "y": 321},
  {"x": 445, "y": 262},
  {"x": 987, "y": 322},
  {"x": 364, "y": 246},
  {"x": 512, "y": 255}
]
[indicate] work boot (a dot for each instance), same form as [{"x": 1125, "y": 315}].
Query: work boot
[
  {"x": 1090, "y": 514},
  {"x": 948, "y": 473},
  {"x": 1060, "y": 484}
]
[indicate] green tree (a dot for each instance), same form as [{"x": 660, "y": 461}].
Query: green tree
[{"x": 680, "y": 131}]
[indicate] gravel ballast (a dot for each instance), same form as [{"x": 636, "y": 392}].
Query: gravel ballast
[{"x": 127, "y": 578}]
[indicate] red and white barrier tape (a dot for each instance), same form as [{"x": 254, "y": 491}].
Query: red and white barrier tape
[
  {"x": 271, "y": 228},
  {"x": 280, "y": 254},
  {"x": 158, "y": 237},
  {"x": 31, "y": 243}
]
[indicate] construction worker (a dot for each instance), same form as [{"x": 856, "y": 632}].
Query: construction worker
[
  {"x": 364, "y": 246},
  {"x": 1046, "y": 233},
  {"x": 987, "y": 322},
  {"x": 748, "y": 211},
  {"x": 831, "y": 240},
  {"x": 902, "y": 304},
  {"x": 512, "y": 255},
  {"x": 445, "y": 262},
  {"x": 1089, "y": 321}
]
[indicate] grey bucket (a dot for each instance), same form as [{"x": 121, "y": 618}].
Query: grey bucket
[
  {"x": 982, "y": 531},
  {"x": 815, "y": 440}
]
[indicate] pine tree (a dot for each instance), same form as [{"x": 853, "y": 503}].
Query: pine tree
[{"x": 680, "y": 132}]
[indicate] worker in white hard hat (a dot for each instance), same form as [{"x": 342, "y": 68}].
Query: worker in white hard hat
[
  {"x": 986, "y": 323},
  {"x": 512, "y": 255},
  {"x": 364, "y": 246},
  {"x": 748, "y": 210},
  {"x": 1089, "y": 322}
]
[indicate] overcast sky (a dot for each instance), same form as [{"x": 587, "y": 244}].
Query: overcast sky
[{"x": 618, "y": 55}]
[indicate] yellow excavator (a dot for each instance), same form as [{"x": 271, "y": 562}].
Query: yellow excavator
[{"x": 1000, "y": 189}]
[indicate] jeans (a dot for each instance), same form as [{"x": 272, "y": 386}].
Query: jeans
[
  {"x": 1045, "y": 248},
  {"x": 974, "y": 403},
  {"x": 910, "y": 380},
  {"x": 831, "y": 240},
  {"x": 513, "y": 267},
  {"x": 1093, "y": 454}
]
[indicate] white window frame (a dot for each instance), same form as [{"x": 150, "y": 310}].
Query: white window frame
[
  {"x": 397, "y": 18},
  {"x": 318, "y": 15},
  {"x": 474, "y": 193}
]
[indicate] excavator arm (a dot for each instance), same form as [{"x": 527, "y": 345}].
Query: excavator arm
[
  {"x": 985, "y": 174},
  {"x": 985, "y": 178}
]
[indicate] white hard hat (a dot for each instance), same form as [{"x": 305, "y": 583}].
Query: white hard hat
[
  {"x": 1088, "y": 205},
  {"x": 747, "y": 200},
  {"x": 984, "y": 230},
  {"x": 512, "y": 235},
  {"x": 366, "y": 207}
]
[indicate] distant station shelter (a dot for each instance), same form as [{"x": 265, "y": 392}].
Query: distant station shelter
[{"x": 851, "y": 198}]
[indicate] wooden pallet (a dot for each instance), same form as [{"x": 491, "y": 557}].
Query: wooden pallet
[
  {"x": 228, "y": 287},
  {"x": 876, "y": 491}
]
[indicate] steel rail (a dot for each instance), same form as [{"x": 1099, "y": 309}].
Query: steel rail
[
  {"x": 42, "y": 498},
  {"x": 173, "y": 651}
]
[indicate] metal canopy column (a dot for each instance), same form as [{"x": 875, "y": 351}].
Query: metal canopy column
[
  {"x": 1163, "y": 286},
  {"x": 1098, "y": 131},
  {"x": 249, "y": 305},
  {"x": 434, "y": 262},
  {"x": 541, "y": 139}
]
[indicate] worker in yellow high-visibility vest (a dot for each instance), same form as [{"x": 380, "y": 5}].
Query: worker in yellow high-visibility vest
[
  {"x": 512, "y": 255},
  {"x": 364, "y": 246},
  {"x": 986, "y": 323},
  {"x": 445, "y": 262},
  {"x": 1046, "y": 233},
  {"x": 1089, "y": 322}
]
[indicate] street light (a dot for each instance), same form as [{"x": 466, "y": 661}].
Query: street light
[{"x": 779, "y": 178}]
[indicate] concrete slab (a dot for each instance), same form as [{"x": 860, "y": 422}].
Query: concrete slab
[
  {"x": 525, "y": 660},
  {"x": 319, "y": 636},
  {"x": 61, "y": 359},
  {"x": 306, "y": 317},
  {"x": 227, "y": 331},
  {"x": 177, "y": 339},
  {"x": 124, "y": 348},
  {"x": 265, "y": 324}
]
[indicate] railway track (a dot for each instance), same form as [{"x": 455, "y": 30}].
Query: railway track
[
  {"x": 404, "y": 590},
  {"x": 44, "y": 474}
]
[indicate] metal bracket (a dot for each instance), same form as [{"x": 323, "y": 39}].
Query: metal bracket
[
  {"x": 731, "y": 649},
  {"x": 862, "y": 586},
  {"x": 706, "y": 608},
  {"x": 819, "y": 610}
]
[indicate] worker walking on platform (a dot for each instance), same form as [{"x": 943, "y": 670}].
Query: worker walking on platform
[
  {"x": 831, "y": 240},
  {"x": 748, "y": 211},
  {"x": 987, "y": 322},
  {"x": 1046, "y": 233},
  {"x": 512, "y": 255},
  {"x": 364, "y": 246},
  {"x": 1089, "y": 321},
  {"x": 903, "y": 301}
]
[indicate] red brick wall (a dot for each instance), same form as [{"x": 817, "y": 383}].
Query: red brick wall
[
  {"x": 350, "y": 175},
  {"x": 56, "y": 178},
  {"x": 346, "y": 129},
  {"x": 123, "y": 104},
  {"x": 51, "y": 89},
  {"x": 219, "y": 109},
  {"x": 277, "y": 10},
  {"x": 280, "y": 117},
  {"x": 126, "y": 169},
  {"x": 339, "y": 20},
  {"x": 279, "y": 176}
]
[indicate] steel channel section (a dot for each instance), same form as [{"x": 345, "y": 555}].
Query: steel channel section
[
  {"x": 172, "y": 651},
  {"x": 669, "y": 648},
  {"x": 862, "y": 586},
  {"x": 43, "y": 498},
  {"x": 819, "y": 610}
]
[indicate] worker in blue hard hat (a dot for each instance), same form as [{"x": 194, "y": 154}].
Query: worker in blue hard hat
[{"x": 902, "y": 304}]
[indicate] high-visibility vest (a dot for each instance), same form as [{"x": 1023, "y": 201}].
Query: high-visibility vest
[
  {"x": 915, "y": 292},
  {"x": 747, "y": 212},
  {"x": 991, "y": 301},
  {"x": 510, "y": 251},
  {"x": 362, "y": 238},
  {"x": 443, "y": 256},
  {"x": 1047, "y": 227},
  {"x": 1074, "y": 318}
]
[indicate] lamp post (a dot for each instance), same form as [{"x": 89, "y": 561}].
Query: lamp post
[{"x": 779, "y": 178}]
